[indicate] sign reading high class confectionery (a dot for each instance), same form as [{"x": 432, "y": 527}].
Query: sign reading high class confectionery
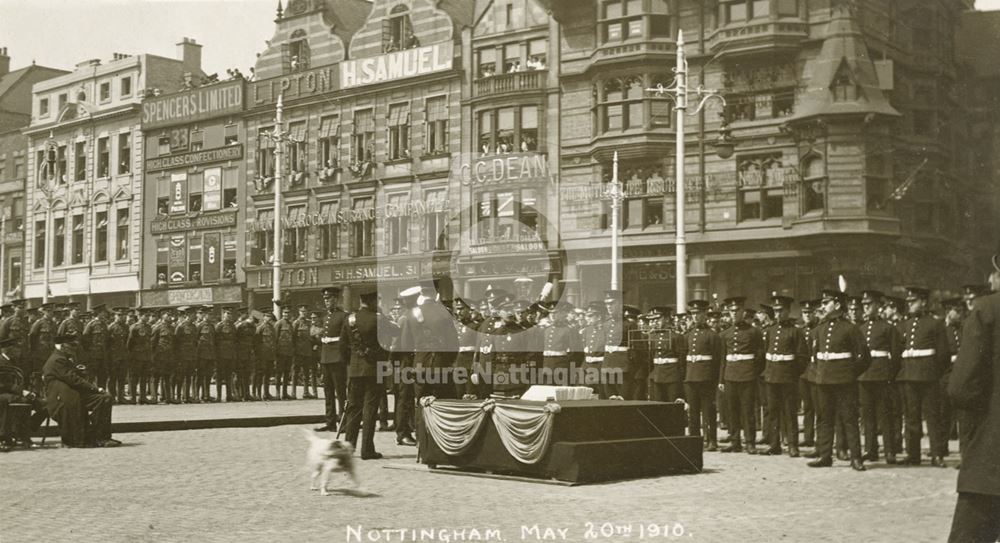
[
  {"x": 193, "y": 105},
  {"x": 219, "y": 154},
  {"x": 396, "y": 65}
]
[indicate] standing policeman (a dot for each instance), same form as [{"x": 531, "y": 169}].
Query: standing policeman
[
  {"x": 667, "y": 352},
  {"x": 742, "y": 364},
  {"x": 617, "y": 358},
  {"x": 702, "y": 362},
  {"x": 284, "y": 354},
  {"x": 333, "y": 365},
  {"x": 786, "y": 359},
  {"x": 884, "y": 347}
]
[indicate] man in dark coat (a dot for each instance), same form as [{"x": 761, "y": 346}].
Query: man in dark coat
[
  {"x": 885, "y": 346},
  {"x": 786, "y": 357},
  {"x": 363, "y": 335},
  {"x": 703, "y": 355},
  {"x": 82, "y": 409},
  {"x": 334, "y": 367},
  {"x": 16, "y": 426},
  {"x": 742, "y": 363},
  {"x": 974, "y": 386}
]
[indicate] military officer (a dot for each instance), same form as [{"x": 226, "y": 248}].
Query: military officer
[
  {"x": 302, "y": 368},
  {"x": 467, "y": 338},
  {"x": 428, "y": 332},
  {"x": 808, "y": 309},
  {"x": 206, "y": 354},
  {"x": 617, "y": 357},
  {"x": 786, "y": 359},
  {"x": 640, "y": 361},
  {"x": 702, "y": 361},
  {"x": 561, "y": 343},
  {"x": 186, "y": 345},
  {"x": 507, "y": 348},
  {"x": 118, "y": 355},
  {"x": 225, "y": 356},
  {"x": 41, "y": 338},
  {"x": 592, "y": 337},
  {"x": 140, "y": 350},
  {"x": 402, "y": 357},
  {"x": 246, "y": 331},
  {"x": 884, "y": 347},
  {"x": 164, "y": 358},
  {"x": 284, "y": 354},
  {"x": 841, "y": 356},
  {"x": 316, "y": 333},
  {"x": 742, "y": 363},
  {"x": 363, "y": 335},
  {"x": 333, "y": 365},
  {"x": 667, "y": 353},
  {"x": 264, "y": 348},
  {"x": 95, "y": 344}
]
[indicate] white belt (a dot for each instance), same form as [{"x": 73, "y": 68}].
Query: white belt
[
  {"x": 615, "y": 349},
  {"x": 739, "y": 357},
  {"x": 661, "y": 361},
  {"x": 486, "y": 350},
  {"x": 699, "y": 357},
  {"x": 775, "y": 357},
  {"x": 954, "y": 357},
  {"x": 594, "y": 359},
  {"x": 833, "y": 356},
  {"x": 880, "y": 354},
  {"x": 918, "y": 353},
  {"x": 330, "y": 339},
  {"x": 555, "y": 353},
  {"x": 466, "y": 349}
]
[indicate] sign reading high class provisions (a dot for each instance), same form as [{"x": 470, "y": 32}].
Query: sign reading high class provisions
[
  {"x": 193, "y": 105},
  {"x": 219, "y": 154},
  {"x": 396, "y": 65},
  {"x": 182, "y": 224}
]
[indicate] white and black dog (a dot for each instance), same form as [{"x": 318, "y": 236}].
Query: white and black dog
[{"x": 325, "y": 456}]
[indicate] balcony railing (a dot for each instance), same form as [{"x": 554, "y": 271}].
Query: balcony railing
[{"x": 513, "y": 82}]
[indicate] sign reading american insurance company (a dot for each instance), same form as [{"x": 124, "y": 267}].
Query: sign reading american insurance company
[
  {"x": 396, "y": 65},
  {"x": 184, "y": 107}
]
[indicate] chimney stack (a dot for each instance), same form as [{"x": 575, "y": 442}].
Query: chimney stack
[
  {"x": 4, "y": 62},
  {"x": 189, "y": 53}
]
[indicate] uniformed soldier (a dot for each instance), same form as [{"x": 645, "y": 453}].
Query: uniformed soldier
[
  {"x": 841, "y": 356},
  {"x": 333, "y": 365},
  {"x": 16, "y": 327},
  {"x": 808, "y": 309},
  {"x": 284, "y": 353},
  {"x": 617, "y": 357},
  {"x": 894, "y": 313},
  {"x": 140, "y": 350},
  {"x": 467, "y": 338},
  {"x": 954, "y": 314},
  {"x": 162, "y": 368},
  {"x": 302, "y": 369},
  {"x": 316, "y": 335},
  {"x": 118, "y": 355},
  {"x": 592, "y": 338},
  {"x": 363, "y": 335},
  {"x": 41, "y": 340},
  {"x": 506, "y": 345},
  {"x": 264, "y": 348},
  {"x": 741, "y": 366},
  {"x": 667, "y": 352},
  {"x": 428, "y": 332},
  {"x": 637, "y": 375},
  {"x": 225, "y": 356},
  {"x": 246, "y": 332},
  {"x": 884, "y": 347},
  {"x": 925, "y": 359},
  {"x": 95, "y": 344},
  {"x": 206, "y": 354},
  {"x": 702, "y": 361},
  {"x": 561, "y": 345},
  {"x": 786, "y": 357},
  {"x": 186, "y": 346}
]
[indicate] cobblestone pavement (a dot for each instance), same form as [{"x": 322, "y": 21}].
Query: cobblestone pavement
[{"x": 249, "y": 484}]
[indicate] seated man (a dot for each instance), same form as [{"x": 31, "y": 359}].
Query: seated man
[
  {"x": 82, "y": 409},
  {"x": 16, "y": 426}
]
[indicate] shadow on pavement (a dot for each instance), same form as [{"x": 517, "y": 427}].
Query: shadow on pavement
[{"x": 354, "y": 493}]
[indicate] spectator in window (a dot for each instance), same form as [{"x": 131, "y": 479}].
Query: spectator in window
[
  {"x": 488, "y": 72},
  {"x": 391, "y": 46},
  {"x": 486, "y": 148},
  {"x": 161, "y": 279},
  {"x": 196, "y": 276},
  {"x": 412, "y": 41}
]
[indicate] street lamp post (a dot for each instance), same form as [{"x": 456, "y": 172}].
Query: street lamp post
[
  {"x": 616, "y": 195},
  {"x": 679, "y": 89},
  {"x": 47, "y": 185}
]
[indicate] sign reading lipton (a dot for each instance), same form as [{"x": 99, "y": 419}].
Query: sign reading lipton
[
  {"x": 219, "y": 154},
  {"x": 193, "y": 105},
  {"x": 293, "y": 86},
  {"x": 180, "y": 224},
  {"x": 396, "y": 65}
]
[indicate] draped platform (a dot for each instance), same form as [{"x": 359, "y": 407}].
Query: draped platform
[{"x": 576, "y": 441}]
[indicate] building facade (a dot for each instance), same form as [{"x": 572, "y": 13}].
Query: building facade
[
  {"x": 15, "y": 114},
  {"x": 84, "y": 170},
  {"x": 372, "y": 107},
  {"x": 194, "y": 190}
]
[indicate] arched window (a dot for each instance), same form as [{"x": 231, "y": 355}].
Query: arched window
[
  {"x": 296, "y": 52},
  {"x": 397, "y": 30}
]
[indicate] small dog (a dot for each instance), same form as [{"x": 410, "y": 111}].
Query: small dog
[{"x": 325, "y": 456}]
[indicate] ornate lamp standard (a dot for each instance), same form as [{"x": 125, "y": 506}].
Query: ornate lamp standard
[
  {"x": 48, "y": 182},
  {"x": 280, "y": 137},
  {"x": 724, "y": 148},
  {"x": 615, "y": 193}
]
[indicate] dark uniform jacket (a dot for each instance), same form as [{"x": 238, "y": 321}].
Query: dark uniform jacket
[
  {"x": 333, "y": 322},
  {"x": 975, "y": 387},
  {"x": 667, "y": 352},
  {"x": 884, "y": 347},
  {"x": 616, "y": 345},
  {"x": 206, "y": 340},
  {"x": 117, "y": 341},
  {"x": 303, "y": 339},
  {"x": 264, "y": 342},
  {"x": 743, "y": 353},
  {"x": 840, "y": 350},
  {"x": 592, "y": 337},
  {"x": 64, "y": 369},
  {"x": 246, "y": 334},
  {"x": 467, "y": 339},
  {"x": 140, "y": 345},
  {"x": 362, "y": 336},
  {"x": 786, "y": 352},
  {"x": 560, "y": 338},
  {"x": 225, "y": 341},
  {"x": 703, "y": 359},
  {"x": 42, "y": 338},
  {"x": 16, "y": 327},
  {"x": 284, "y": 333},
  {"x": 95, "y": 340},
  {"x": 925, "y": 349},
  {"x": 428, "y": 332},
  {"x": 163, "y": 342},
  {"x": 954, "y": 334},
  {"x": 186, "y": 340}
]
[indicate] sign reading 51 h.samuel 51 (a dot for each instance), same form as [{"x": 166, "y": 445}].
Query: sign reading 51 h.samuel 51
[{"x": 396, "y": 65}]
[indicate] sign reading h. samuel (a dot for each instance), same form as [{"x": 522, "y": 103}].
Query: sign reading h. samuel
[{"x": 396, "y": 65}]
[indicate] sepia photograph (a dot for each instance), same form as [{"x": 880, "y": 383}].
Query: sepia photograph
[{"x": 500, "y": 270}]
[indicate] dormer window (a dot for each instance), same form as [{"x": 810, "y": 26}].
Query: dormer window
[
  {"x": 297, "y": 57},
  {"x": 43, "y": 107},
  {"x": 843, "y": 87},
  {"x": 397, "y": 31}
]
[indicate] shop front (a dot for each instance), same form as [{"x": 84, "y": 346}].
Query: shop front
[{"x": 176, "y": 297}]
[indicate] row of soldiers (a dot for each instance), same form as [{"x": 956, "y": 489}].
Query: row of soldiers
[
  {"x": 870, "y": 362},
  {"x": 171, "y": 355}
]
